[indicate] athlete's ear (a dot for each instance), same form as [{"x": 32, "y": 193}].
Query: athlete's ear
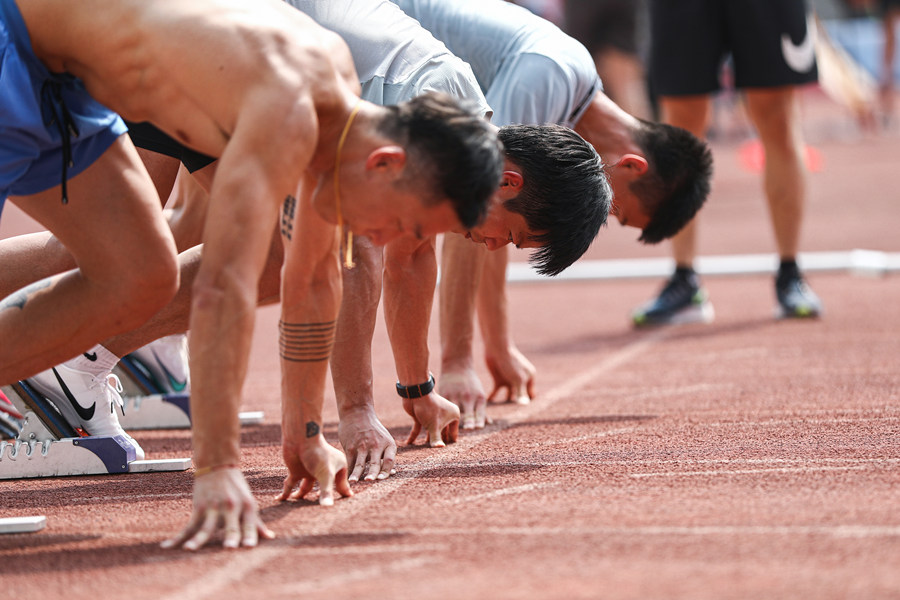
[
  {"x": 512, "y": 180},
  {"x": 636, "y": 163},
  {"x": 391, "y": 158}
]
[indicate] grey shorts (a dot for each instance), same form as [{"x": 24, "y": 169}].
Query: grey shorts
[{"x": 767, "y": 41}]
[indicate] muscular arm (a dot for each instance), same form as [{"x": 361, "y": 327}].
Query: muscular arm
[
  {"x": 310, "y": 300},
  {"x": 474, "y": 278},
  {"x": 367, "y": 443},
  {"x": 462, "y": 263},
  {"x": 410, "y": 277},
  {"x": 508, "y": 367},
  {"x": 254, "y": 175}
]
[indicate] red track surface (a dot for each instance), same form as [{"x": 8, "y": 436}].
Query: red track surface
[{"x": 747, "y": 459}]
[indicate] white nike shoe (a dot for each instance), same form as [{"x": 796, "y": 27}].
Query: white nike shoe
[
  {"x": 86, "y": 401},
  {"x": 166, "y": 361}
]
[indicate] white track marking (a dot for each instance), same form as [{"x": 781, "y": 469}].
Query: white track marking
[
  {"x": 583, "y": 438},
  {"x": 243, "y": 563},
  {"x": 22, "y": 524},
  {"x": 726, "y": 472},
  {"x": 838, "y": 531},
  {"x": 372, "y": 573},
  {"x": 519, "y": 489},
  {"x": 857, "y": 262},
  {"x": 802, "y": 421},
  {"x": 663, "y": 392}
]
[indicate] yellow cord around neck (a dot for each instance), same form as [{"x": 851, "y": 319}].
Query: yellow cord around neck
[{"x": 348, "y": 248}]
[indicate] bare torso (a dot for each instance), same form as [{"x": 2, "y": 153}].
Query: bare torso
[{"x": 195, "y": 68}]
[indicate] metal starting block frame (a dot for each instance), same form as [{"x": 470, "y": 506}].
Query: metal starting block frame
[
  {"x": 148, "y": 407},
  {"x": 48, "y": 447}
]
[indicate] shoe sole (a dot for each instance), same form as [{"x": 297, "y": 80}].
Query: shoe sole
[
  {"x": 696, "y": 313},
  {"x": 782, "y": 313}
]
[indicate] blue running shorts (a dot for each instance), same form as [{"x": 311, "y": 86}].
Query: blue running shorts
[{"x": 45, "y": 118}]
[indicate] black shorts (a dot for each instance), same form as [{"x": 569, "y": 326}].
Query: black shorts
[
  {"x": 600, "y": 24},
  {"x": 767, "y": 40},
  {"x": 148, "y": 137}
]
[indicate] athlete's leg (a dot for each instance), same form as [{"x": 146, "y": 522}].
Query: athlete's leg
[
  {"x": 175, "y": 316},
  {"x": 682, "y": 299},
  {"x": 775, "y": 115},
  {"x": 30, "y": 257},
  {"x": 691, "y": 113},
  {"x": 114, "y": 228}
]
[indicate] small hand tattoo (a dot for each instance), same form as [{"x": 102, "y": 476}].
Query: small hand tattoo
[{"x": 312, "y": 429}]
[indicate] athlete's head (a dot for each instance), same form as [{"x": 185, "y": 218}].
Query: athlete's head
[
  {"x": 676, "y": 183},
  {"x": 453, "y": 153},
  {"x": 553, "y": 196}
]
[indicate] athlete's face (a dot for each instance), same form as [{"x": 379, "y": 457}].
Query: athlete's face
[
  {"x": 501, "y": 227},
  {"x": 627, "y": 209},
  {"x": 407, "y": 215},
  {"x": 626, "y": 206},
  {"x": 375, "y": 201}
]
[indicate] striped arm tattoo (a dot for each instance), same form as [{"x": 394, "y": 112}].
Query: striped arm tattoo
[{"x": 306, "y": 342}]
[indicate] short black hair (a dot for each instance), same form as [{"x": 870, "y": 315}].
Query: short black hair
[
  {"x": 450, "y": 147},
  {"x": 565, "y": 195},
  {"x": 677, "y": 182}
]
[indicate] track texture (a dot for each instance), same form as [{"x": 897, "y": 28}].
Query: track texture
[{"x": 750, "y": 458}]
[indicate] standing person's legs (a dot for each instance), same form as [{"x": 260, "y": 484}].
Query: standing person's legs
[
  {"x": 611, "y": 30},
  {"x": 687, "y": 49},
  {"x": 775, "y": 115},
  {"x": 890, "y": 18},
  {"x": 113, "y": 226},
  {"x": 681, "y": 299},
  {"x": 773, "y": 55},
  {"x": 693, "y": 114}
]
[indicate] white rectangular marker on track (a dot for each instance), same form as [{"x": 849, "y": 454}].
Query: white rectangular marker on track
[{"x": 22, "y": 524}]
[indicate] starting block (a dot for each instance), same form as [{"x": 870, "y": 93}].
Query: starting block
[
  {"x": 47, "y": 446},
  {"x": 149, "y": 406}
]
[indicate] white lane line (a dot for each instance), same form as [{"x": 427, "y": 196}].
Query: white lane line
[
  {"x": 887, "y": 462},
  {"x": 215, "y": 580},
  {"x": 800, "y": 420},
  {"x": 797, "y": 464},
  {"x": 761, "y": 461},
  {"x": 838, "y": 531},
  {"x": 857, "y": 262},
  {"x": 381, "y": 549},
  {"x": 583, "y": 438},
  {"x": 748, "y": 471},
  {"x": 373, "y": 573},
  {"x": 519, "y": 489}
]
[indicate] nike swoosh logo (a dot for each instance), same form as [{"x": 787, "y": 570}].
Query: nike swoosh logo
[
  {"x": 800, "y": 57},
  {"x": 176, "y": 384},
  {"x": 86, "y": 414},
  {"x": 91, "y": 356}
]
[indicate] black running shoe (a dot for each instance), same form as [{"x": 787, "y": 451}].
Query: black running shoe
[
  {"x": 795, "y": 298},
  {"x": 681, "y": 301}
]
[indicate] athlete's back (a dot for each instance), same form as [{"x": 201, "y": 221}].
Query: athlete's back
[{"x": 192, "y": 67}]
